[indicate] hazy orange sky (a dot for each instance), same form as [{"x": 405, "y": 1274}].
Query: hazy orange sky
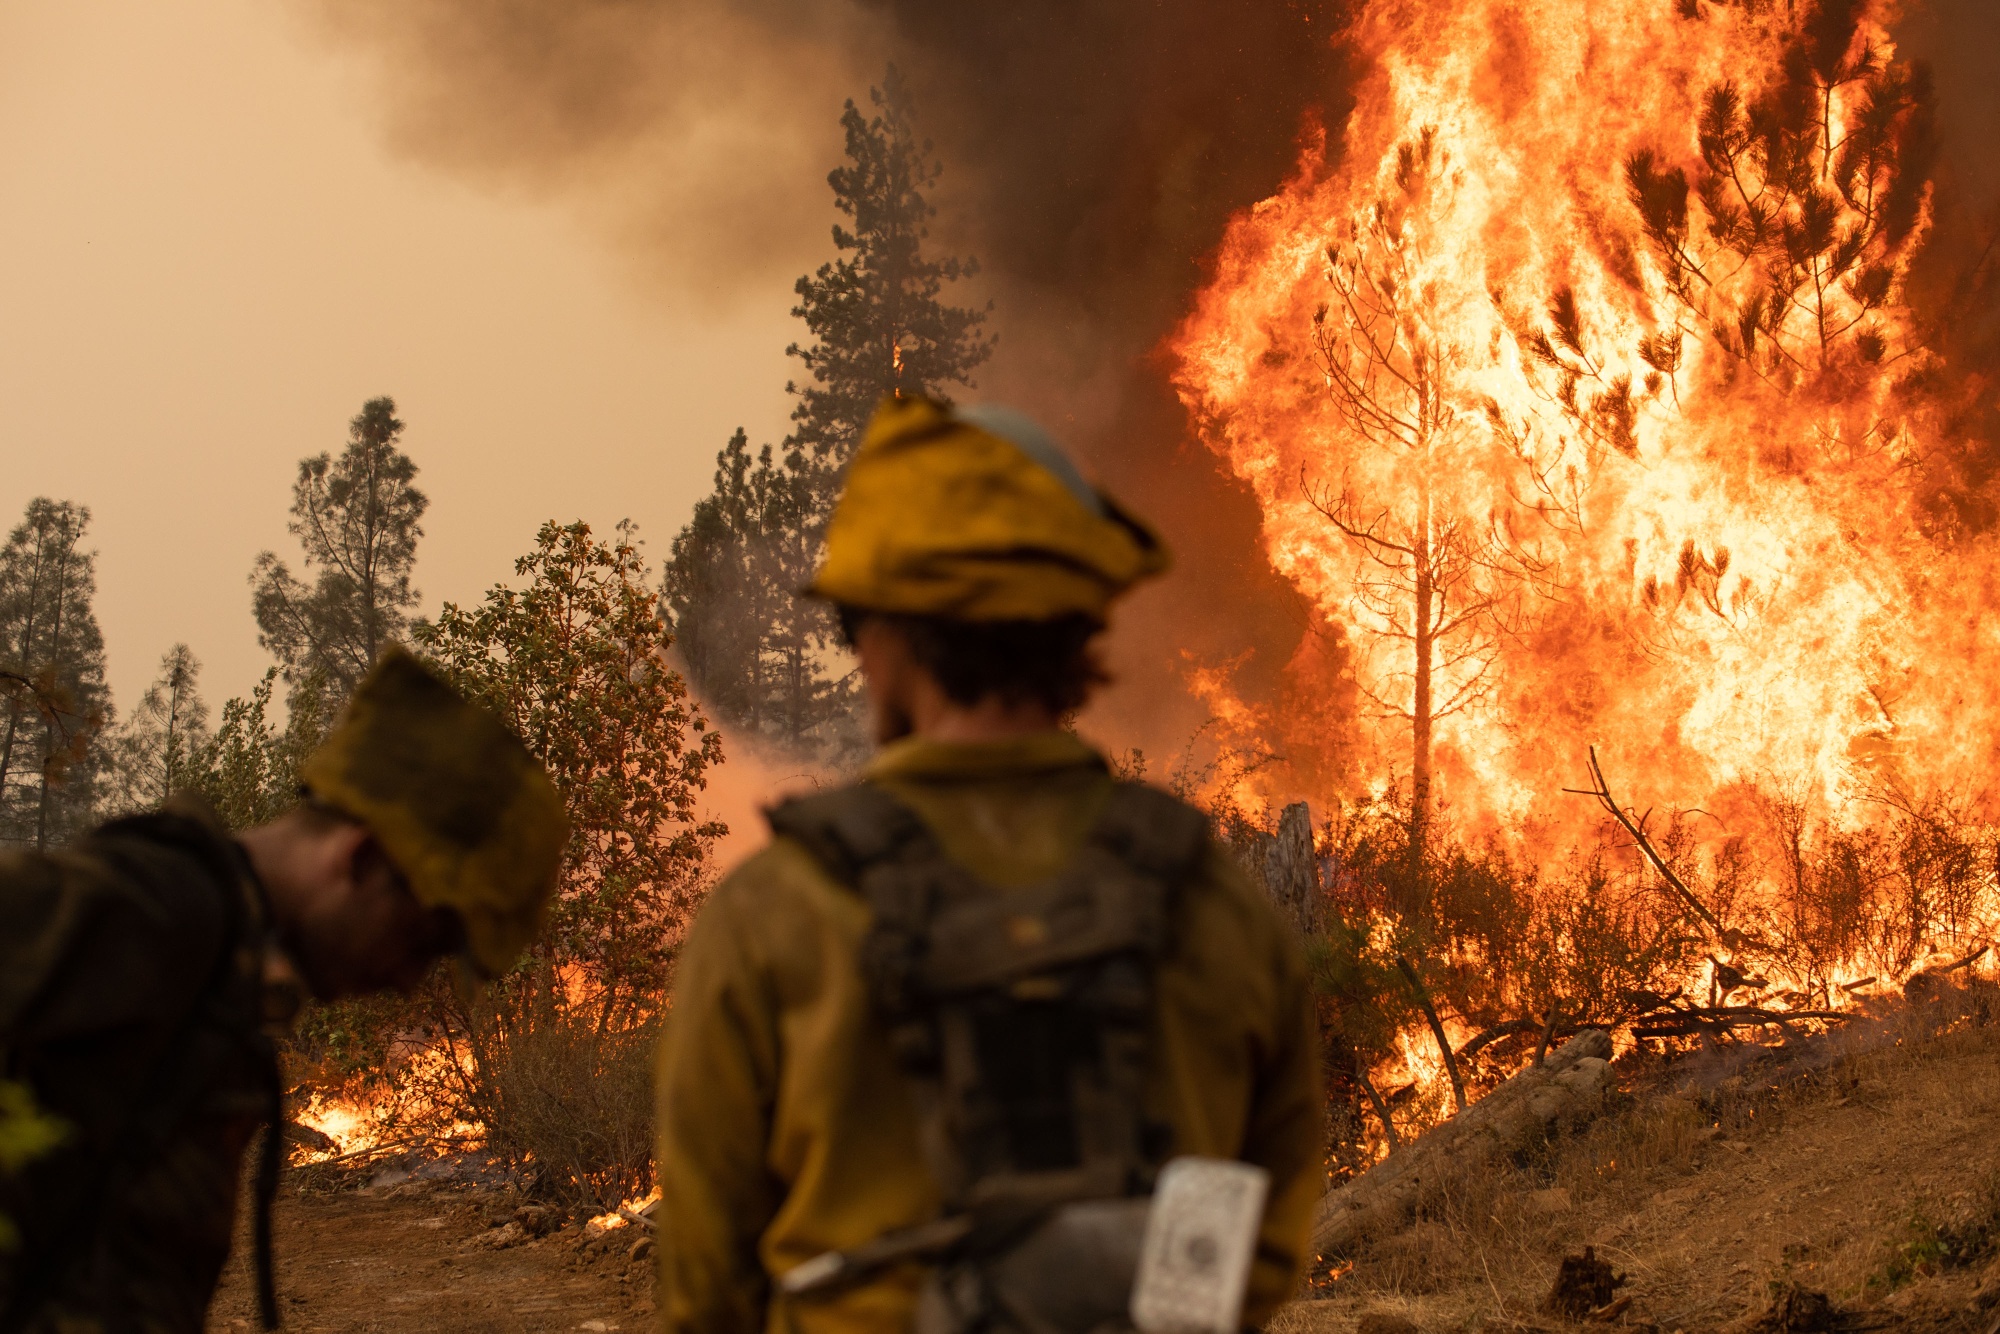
[
  {"x": 210, "y": 256},
  {"x": 226, "y": 224}
]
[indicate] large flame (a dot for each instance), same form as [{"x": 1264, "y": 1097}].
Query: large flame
[{"x": 1561, "y": 322}]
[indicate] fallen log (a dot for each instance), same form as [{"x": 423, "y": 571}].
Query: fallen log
[{"x": 1570, "y": 1086}]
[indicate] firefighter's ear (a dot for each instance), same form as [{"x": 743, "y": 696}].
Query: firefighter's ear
[{"x": 351, "y": 853}]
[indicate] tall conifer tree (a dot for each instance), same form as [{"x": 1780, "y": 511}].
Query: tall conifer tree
[
  {"x": 159, "y": 749},
  {"x": 52, "y": 658},
  {"x": 358, "y": 519},
  {"x": 766, "y": 661}
]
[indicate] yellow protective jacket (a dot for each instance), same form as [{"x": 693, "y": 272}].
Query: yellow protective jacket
[{"x": 786, "y": 1129}]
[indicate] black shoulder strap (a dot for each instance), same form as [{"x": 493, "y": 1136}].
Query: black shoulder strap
[
  {"x": 1153, "y": 832},
  {"x": 848, "y": 830}
]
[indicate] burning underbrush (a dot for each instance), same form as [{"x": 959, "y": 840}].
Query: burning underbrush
[
  {"x": 535, "y": 1081},
  {"x": 1445, "y": 963}
]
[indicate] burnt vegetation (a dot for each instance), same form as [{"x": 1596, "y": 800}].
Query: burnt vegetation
[{"x": 1795, "y": 231}]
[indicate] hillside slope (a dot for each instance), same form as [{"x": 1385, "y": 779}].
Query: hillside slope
[{"x": 1864, "y": 1165}]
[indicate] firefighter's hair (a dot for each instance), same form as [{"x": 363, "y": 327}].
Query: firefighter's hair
[{"x": 1052, "y": 662}]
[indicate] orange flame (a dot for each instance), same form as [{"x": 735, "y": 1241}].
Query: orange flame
[{"x": 1522, "y": 339}]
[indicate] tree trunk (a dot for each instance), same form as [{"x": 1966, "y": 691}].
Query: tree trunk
[
  {"x": 1426, "y": 649},
  {"x": 1291, "y": 869}
]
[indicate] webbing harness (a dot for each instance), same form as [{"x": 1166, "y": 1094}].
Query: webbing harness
[{"x": 1021, "y": 1017}]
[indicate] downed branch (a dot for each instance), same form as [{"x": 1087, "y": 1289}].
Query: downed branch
[
  {"x": 1511, "y": 1028},
  {"x": 1636, "y": 828},
  {"x": 1548, "y": 1030},
  {"x": 1375, "y": 1100},
  {"x": 1569, "y": 1087},
  {"x": 1721, "y": 1018},
  {"x": 1437, "y": 1031}
]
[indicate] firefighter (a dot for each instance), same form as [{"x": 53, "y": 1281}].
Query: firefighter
[
  {"x": 146, "y": 972},
  {"x": 953, "y": 1009}
]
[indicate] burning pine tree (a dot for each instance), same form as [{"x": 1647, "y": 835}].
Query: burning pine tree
[{"x": 1586, "y": 399}]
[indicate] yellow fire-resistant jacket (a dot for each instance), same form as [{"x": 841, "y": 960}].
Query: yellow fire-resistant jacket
[{"x": 786, "y": 1129}]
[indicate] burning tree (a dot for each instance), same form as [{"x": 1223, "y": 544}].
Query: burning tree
[
  {"x": 1811, "y": 194},
  {"x": 1436, "y": 575}
]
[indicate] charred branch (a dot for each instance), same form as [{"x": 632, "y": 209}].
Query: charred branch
[
  {"x": 1601, "y": 791},
  {"x": 1713, "y": 1019},
  {"x": 1381, "y": 1107},
  {"x": 1437, "y": 1030}
]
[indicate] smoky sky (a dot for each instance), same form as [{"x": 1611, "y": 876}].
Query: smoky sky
[
  {"x": 1093, "y": 152},
  {"x": 1107, "y": 143}
]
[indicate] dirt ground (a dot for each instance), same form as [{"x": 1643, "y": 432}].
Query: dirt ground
[
  {"x": 1867, "y": 1170},
  {"x": 420, "y": 1259}
]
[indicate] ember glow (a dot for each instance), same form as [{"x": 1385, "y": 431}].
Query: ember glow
[
  {"x": 369, "y": 1121},
  {"x": 1593, "y": 335}
]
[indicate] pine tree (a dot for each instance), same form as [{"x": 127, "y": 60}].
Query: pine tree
[
  {"x": 1435, "y": 578},
  {"x": 718, "y": 590},
  {"x": 877, "y": 323},
  {"x": 1791, "y": 243},
  {"x": 52, "y": 654},
  {"x": 765, "y": 660},
  {"x": 158, "y": 750},
  {"x": 357, "y": 519}
]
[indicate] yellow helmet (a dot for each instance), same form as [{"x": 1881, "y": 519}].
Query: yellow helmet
[
  {"x": 464, "y": 811},
  {"x": 976, "y": 515}
]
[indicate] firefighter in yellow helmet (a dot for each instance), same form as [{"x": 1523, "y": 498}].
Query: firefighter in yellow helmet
[
  {"x": 145, "y": 972},
  {"x": 931, "y": 1051}
]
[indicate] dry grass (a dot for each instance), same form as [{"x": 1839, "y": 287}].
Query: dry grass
[{"x": 1861, "y": 1164}]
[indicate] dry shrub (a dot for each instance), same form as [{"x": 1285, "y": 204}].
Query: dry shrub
[
  {"x": 563, "y": 1089},
  {"x": 1878, "y": 888},
  {"x": 1499, "y": 937},
  {"x": 1497, "y": 942}
]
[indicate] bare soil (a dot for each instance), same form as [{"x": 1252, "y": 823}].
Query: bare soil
[{"x": 420, "y": 1259}]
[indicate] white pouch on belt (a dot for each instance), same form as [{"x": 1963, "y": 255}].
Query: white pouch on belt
[{"x": 1201, "y": 1235}]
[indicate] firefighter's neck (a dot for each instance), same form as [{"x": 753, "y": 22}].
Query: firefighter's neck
[{"x": 906, "y": 700}]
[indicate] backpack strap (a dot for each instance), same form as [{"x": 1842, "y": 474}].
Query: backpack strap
[{"x": 876, "y": 846}]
